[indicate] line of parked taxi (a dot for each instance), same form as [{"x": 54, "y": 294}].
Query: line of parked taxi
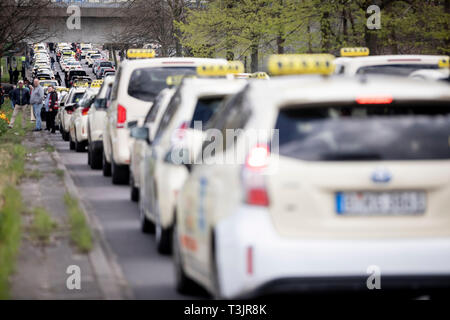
[{"x": 301, "y": 178}]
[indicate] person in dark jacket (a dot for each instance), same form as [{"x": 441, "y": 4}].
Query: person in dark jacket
[
  {"x": 16, "y": 74},
  {"x": 58, "y": 78},
  {"x": 52, "y": 105},
  {"x": 2, "y": 95},
  {"x": 21, "y": 98}
]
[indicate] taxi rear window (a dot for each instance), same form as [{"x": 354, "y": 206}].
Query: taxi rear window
[
  {"x": 205, "y": 109},
  {"x": 77, "y": 97},
  {"x": 396, "y": 69},
  {"x": 406, "y": 131},
  {"x": 146, "y": 83}
]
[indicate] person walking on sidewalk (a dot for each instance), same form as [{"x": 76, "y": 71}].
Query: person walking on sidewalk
[
  {"x": 51, "y": 108},
  {"x": 37, "y": 99},
  {"x": 21, "y": 98}
]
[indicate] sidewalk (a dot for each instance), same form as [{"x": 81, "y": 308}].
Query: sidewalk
[{"x": 41, "y": 267}]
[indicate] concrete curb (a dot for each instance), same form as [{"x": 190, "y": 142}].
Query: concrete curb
[{"x": 107, "y": 271}]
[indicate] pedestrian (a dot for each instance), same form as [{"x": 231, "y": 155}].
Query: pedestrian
[
  {"x": 58, "y": 78},
  {"x": 51, "y": 108},
  {"x": 11, "y": 98},
  {"x": 11, "y": 75},
  {"x": 37, "y": 99},
  {"x": 23, "y": 72},
  {"x": 2, "y": 96},
  {"x": 53, "y": 62},
  {"x": 32, "y": 117},
  {"x": 21, "y": 98},
  {"x": 16, "y": 74}
]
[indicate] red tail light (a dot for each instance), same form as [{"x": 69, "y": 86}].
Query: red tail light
[
  {"x": 69, "y": 111},
  {"x": 85, "y": 111},
  {"x": 121, "y": 116},
  {"x": 180, "y": 133},
  {"x": 374, "y": 100},
  {"x": 253, "y": 176}
]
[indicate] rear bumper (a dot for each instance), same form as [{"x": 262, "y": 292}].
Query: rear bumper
[
  {"x": 121, "y": 147},
  {"x": 295, "y": 264}
]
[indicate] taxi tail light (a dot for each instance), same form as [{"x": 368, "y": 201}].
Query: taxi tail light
[
  {"x": 374, "y": 100},
  {"x": 121, "y": 116},
  {"x": 182, "y": 129},
  {"x": 69, "y": 111},
  {"x": 85, "y": 111},
  {"x": 253, "y": 176}
]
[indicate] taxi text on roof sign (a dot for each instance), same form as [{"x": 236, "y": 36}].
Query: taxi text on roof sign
[
  {"x": 219, "y": 70},
  {"x": 354, "y": 52},
  {"x": 444, "y": 62},
  {"x": 96, "y": 83},
  {"x": 291, "y": 64},
  {"x": 140, "y": 53},
  {"x": 81, "y": 84},
  {"x": 259, "y": 75}
]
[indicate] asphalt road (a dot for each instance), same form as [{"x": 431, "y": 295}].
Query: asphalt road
[{"x": 149, "y": 274}]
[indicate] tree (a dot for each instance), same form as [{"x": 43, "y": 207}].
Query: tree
[{"x": 21, "y": 21}]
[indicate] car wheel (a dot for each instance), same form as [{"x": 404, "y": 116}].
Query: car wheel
[
  {"x": 71, "y": 143},
  {"x": 183, "y": 283},
  {"x": 89, "y": 155},
  {"x": 146, "y": 225},
  {"x": 120, "y": 174},
  {"x": 106, "y": 167},
  {"x": 96, "y": 158},
  {"x": 79, "y": 146},
  {"x": 163, "y": 239},
  {"x": 134, "y": 191},
  {"x": 65, "y": 136}
]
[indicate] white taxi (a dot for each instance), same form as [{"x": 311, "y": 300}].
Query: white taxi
[
  {"x": 96, "y": 123},
  {"x": 322, "y": 190},
  {"x": 67, "y": 108},
  {"x": 144, "y": 136},
  {"x": 356, "y": 61},
  {"x": 178, "y": 139},
  {"x": 137, "y": 84},
  {"x": 78, "y": 123}
]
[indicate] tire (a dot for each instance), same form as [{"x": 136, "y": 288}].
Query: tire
[
  {"x": 96, "y": 159},
  {"x": 80, "y": 146},
  {"x": 89, "y": 155},
  {"x": 163, "y": 239},
  {"x": 120, "y": 174},
  {"x": 134, "y": 191},
  {"x": 65, "y": 136},
  {"x": 146, "y": 225},
  {"x": 183, "y": 283},
  {"x": 106, "y": 166},
  {"x": 71, "y": 143}
]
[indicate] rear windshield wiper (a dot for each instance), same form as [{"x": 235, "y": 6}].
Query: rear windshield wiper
[{"x": 350, "y": 156}]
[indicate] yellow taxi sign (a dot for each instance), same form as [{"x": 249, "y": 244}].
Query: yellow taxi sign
[
  {"x": 96, "y": 83},
  {"x": 290, "y": 64},
  {"x": 140, "y": 53},
  {"x": 259, "y": 75},
  {"x": 220, "y": 70},
  {"x": 444, "y": 62},
  {"x": 81, "y": 84},
  {"x": 60, "y": 89},
  {"x": 355, "y": 52}
]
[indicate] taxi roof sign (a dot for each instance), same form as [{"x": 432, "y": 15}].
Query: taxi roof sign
[
  {"x": 81, "y": 84},
  {"x": 355, "y": 52},
  {"x": 176, "y": 79},
  {"x": 96, "y": 83},
  {"x": 291, "y": 64},
  {"x": 259, "y": 75},
  {"x": 140, "y": 53},
  {"x": 444, "y": 62},
  {"x": 219, "y": 70}
]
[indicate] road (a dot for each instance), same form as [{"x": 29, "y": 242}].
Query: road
[{"x": 149, "y": 274}]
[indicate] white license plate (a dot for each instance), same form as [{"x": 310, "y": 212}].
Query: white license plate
[{"x": 381, "y": 203}]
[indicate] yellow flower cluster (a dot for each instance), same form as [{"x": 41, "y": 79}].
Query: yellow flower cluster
[{"x": 4, "y": 117}]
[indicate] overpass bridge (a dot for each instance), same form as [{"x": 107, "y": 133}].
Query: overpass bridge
[{"x": 93, "y": 21}]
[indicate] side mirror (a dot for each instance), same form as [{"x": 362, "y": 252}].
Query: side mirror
[
  {"x": 139, "y": 133},
  {"x": 132, "y": 124},
  {"x": 61, "y": 104}
]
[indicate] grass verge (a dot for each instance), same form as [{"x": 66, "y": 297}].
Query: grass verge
[
  {"x": 12, "y": 168},
  {"x": 42, "y": 226},
  {"x": 80, "y": 234}
]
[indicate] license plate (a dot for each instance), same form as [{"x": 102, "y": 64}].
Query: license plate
[{"x": 380, "y": 203}]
